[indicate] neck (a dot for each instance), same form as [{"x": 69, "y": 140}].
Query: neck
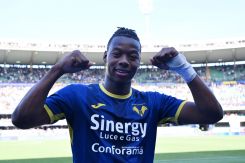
[{"x": 119, "y": 88}]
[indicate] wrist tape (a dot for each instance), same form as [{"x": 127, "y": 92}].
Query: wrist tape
[{"x": 180, "y": 65}]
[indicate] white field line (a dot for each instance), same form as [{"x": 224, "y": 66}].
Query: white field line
[{"x": 202, "y": 158}]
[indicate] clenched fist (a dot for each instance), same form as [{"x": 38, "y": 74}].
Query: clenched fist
[
  {"x": 73, "y": 62},
  {"x": 161, "y": 59},
  {"x": 171, "y": 59}
]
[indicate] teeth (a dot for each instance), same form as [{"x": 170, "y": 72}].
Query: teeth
[{"x": 122, "y": 71}]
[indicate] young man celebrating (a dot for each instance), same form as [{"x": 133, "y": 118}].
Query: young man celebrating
[{"x": 112, "y": 122}]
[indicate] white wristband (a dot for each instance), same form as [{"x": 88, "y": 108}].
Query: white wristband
[{"x": 180, "y": 65}]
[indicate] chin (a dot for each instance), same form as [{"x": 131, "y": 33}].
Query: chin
[
  {"x": 123, "y": 81},
  {"x": 120, "y": 80}
]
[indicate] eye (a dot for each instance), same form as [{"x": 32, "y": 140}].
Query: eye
[
  {"x": 134, "y": 57},
  {"x": 116, "y": 54}
]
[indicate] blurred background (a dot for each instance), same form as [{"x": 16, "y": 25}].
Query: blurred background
[{"x": 34, "y": 35}]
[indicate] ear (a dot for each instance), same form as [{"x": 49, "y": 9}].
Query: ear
[{"x": 104, "y": 56}]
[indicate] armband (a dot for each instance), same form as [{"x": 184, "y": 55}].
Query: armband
[{"x": 180, "y": 65}]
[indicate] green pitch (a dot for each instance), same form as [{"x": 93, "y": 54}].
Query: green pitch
[{"x": 202, "y": 149}]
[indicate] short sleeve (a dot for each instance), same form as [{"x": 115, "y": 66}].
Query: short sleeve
[
  {"x": 169, "y": 108},
  {"x": 59, "y": 105}
]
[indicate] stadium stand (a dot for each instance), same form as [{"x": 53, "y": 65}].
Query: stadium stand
[
  {"x": 15, "y": 74},
  {"x": 226, "y": 80}
]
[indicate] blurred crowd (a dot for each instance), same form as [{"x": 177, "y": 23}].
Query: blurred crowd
[
  {"x": 16, "y": 81},
  {"x": 148, "y": 74}
]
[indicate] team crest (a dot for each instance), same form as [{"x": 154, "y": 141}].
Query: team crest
[{"x": 140, "y": 110}]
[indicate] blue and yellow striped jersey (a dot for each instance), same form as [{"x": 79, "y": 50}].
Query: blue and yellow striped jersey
[{"x": 105, "y": 127}]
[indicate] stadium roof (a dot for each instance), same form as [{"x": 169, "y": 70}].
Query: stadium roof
[{"x": 31, "y": 53}]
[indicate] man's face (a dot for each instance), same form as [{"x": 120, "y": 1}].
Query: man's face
[{"x": 122, "y": 59}]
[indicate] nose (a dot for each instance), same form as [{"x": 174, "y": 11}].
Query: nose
[{"x": 124, "y": 61}]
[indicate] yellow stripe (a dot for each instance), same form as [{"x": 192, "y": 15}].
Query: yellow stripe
[
  {"x": 114, "y": 95},
  {"x": 175, "y": 118},
  {"x": 168, "y": 119},
  {"x": 59, "y": 116},
  {"x": 178, "y": 111},
  {"x": 53, "y": 117},
  {"x": 70, "y": 132},
  {"x": 50, "y": 113}
]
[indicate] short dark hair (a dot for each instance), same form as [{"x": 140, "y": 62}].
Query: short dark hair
[{"x": 126, "y": 32}]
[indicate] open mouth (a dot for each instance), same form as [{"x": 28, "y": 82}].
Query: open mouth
[{"x": 121, "y": 72}]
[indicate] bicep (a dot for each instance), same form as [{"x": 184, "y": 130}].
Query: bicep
[
  {"x": 190, "y": 114},
  {"x": 42, "y": 119},
  {"x": 28, "y": 120}
]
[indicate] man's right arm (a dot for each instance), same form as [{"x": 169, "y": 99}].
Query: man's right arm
[{"x": 30, "y": 111}]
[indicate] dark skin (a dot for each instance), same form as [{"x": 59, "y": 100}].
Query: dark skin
[
  {"x": 30, "y": 112},
  {"x": 122, "y": 59},
  {"x": 205, "y": 109},
  {"x": 123, "y": 54}
]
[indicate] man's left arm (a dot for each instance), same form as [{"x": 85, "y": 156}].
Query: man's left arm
[{"x": 205, "y": 109}]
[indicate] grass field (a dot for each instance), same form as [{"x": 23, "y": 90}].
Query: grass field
[{"x": 202, "y": 149}]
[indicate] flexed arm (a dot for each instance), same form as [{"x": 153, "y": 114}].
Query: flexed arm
[
  {"x": 30, "y": 112},
  {"x": 206, "y": 108}
]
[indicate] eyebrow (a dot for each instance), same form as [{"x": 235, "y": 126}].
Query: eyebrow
[{"x": 130, "y": 50}]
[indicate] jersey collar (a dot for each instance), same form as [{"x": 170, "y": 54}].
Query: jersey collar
[{"x": 115, "y": 95}]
